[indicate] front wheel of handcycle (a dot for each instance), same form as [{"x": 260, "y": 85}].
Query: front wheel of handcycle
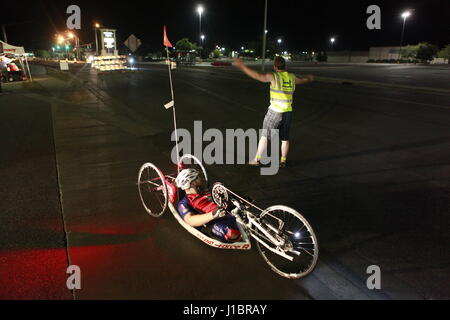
[
  {"x": 298, "y": 239},
  {"x": 152, "y": 190}
]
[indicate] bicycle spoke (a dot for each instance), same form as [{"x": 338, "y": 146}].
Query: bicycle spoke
[
  {"x": 299, "y": 238},
  {"x": 152, "y": 190}
]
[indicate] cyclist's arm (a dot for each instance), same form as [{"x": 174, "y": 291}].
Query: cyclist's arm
[
  {"x": 268, "y": 77},
  {"x": 198, "y": 220},
  {"x": 303, "y": 80}
]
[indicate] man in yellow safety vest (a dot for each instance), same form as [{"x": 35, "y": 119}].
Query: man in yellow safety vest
[{"x": 279, "y": 114}]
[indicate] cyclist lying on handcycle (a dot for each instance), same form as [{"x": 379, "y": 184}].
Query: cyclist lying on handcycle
[{"x": 198, "y": 209}]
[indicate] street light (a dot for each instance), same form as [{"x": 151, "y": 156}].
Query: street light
[
  {"x": 60, "y": 39},
  {"x": 96, "y": 41},
  {"x": 200, "y": 11},
  {"x": 405, "y": 15},
  {"x": 71, "y": 35},
  {"x": 279, "y": 44},
  {"x": 202, "y": 37},
  {"x": 332, "y": 40}
]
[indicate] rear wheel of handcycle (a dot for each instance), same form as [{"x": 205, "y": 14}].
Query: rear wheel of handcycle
[
  {"x": 152, "y": 189},
  {"x": 188, "y": 161},
  {"x": 299, "y": 242}
]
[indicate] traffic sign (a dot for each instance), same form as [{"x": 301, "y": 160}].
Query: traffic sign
[{"x": 133, "y": 43}]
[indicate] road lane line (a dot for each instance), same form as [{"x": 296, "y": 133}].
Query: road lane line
[
  {"x": 382, "y": 84},
  {"x": 340, "y": 80},
  {"x": 218, "y": 96},
  {"x": 414, "y": 102}
]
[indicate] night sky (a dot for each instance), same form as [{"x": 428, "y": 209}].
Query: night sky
[{"x": 303, "y": 25}]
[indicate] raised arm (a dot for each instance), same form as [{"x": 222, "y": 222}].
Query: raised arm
[
  {"x": 268, "y": 77},
  {"x": 305, "y": 79}
]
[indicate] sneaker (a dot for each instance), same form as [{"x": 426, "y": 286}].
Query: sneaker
[
  {"x": 255, "y": 163},
  {"x": 283, "y": 164}
]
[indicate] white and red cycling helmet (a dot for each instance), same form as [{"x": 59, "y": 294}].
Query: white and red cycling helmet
[{"x": 185, "y": 178}]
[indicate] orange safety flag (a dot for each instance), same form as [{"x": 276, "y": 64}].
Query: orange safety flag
[{"x": 166, "y": 40}]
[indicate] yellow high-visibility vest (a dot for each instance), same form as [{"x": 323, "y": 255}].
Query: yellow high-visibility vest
[{"x": 282, "y": 93}]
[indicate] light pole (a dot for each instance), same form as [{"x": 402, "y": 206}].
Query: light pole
[
  {"x": 77, "y": 44},
  {"x": 96, "y": 41},
  {"x": 202, "y": 50},
  {"x": 332, "y": 40},
  {"x": 405, "y": 15},
  {"x": 264, "y": 37},
  {"x": 60, "y": 40},
  {"x": 200, "y": 12}
]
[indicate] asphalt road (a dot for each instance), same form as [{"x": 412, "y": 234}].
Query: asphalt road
[
  {"x": 369, "y": 169},
  {"x": 431, "y": 76}
]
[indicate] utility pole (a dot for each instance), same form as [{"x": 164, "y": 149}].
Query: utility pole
[
  {"x": 264, "y": 37},
  {"x": 4, "y": 34},
  {"x": 5, "y": 39}
]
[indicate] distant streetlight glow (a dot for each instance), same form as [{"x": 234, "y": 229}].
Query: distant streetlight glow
[
  {"x": 97, "y": 25},
  {"x": 200, "y": 12},
  {"x": 405, "y": 15},
  {"x": 332, "y": 40},
  {"x": 279, "y": 41}
]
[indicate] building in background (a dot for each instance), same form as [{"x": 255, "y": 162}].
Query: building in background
[
  {"x": 108, "y": 42},
  {"x": 384, "y": 53}
]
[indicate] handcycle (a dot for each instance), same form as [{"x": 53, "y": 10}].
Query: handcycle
[{"x": 284, "y": 238}]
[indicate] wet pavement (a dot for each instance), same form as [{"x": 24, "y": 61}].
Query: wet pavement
[{"x": 369, "y": 169}]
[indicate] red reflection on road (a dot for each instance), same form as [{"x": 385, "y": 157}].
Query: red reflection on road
[
  {"x": 33, "y": 274},
  {"x": 41, "y": 273}
]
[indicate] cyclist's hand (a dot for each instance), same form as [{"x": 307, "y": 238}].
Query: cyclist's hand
[
  {"x": 219, "y": 213},
  {"x": 249, "y": 199}
]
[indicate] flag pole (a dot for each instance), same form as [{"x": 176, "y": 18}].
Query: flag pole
[{"x": 174, "y": 111}]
